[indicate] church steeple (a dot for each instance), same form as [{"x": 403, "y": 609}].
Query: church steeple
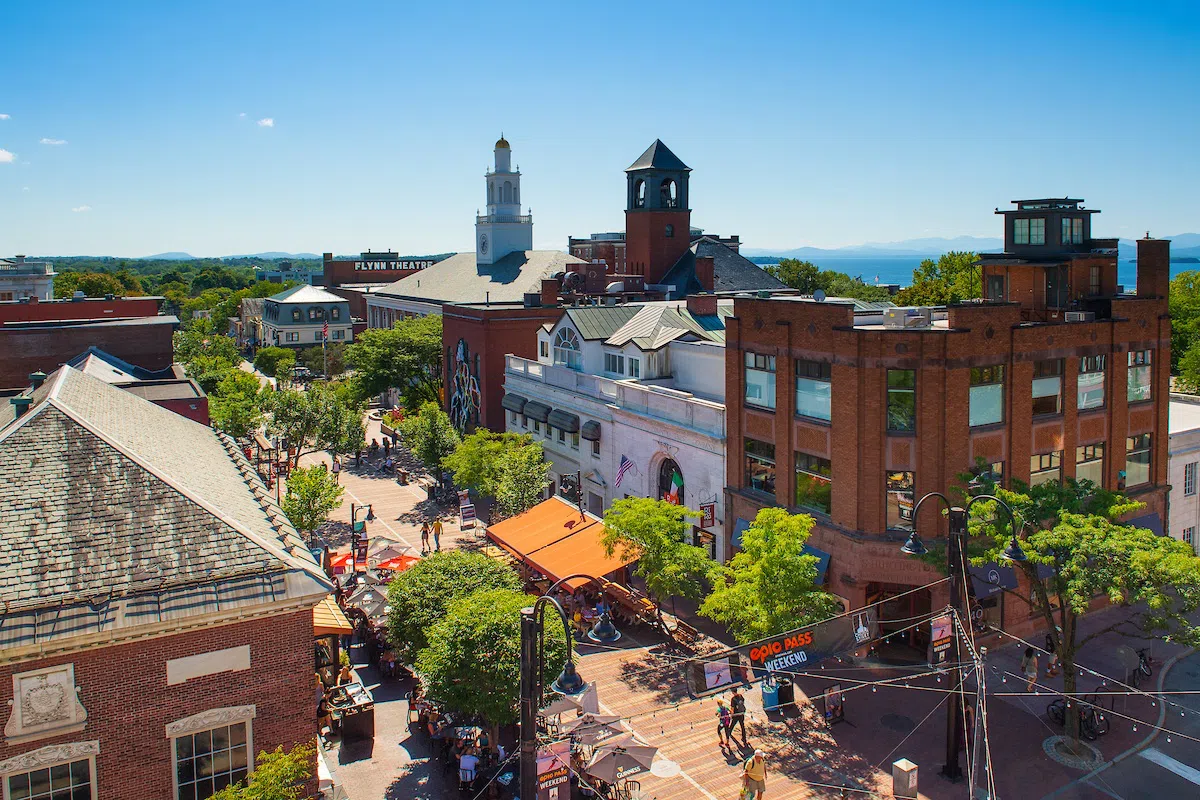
[
  {"x": 503, "y": 229},
  {"x": 658, "y": 221}
]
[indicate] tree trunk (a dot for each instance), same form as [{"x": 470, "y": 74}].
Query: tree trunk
[{"x": 1070, "y": 677}]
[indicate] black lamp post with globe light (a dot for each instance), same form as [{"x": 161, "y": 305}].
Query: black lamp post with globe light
[
  {"x": 533, "y": 660},
  {"x": 956, "y": 570}
]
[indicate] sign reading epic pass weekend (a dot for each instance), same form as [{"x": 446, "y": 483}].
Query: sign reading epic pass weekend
[{"x": 796, "y": 649}]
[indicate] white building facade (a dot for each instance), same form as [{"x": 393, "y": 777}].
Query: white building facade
[
  {"x": 1183, "y": 463},
  {"x": 21, "y": 278}
]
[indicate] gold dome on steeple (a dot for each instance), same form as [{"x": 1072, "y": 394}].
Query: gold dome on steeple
[{"x": 502, "y": 143}]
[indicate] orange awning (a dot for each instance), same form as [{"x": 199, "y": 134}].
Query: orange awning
[
  {"x": 329, "y": 619},
  {"x": 582, "y": 553}
]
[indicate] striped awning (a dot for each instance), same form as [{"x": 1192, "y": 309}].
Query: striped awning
[
  {"x": 514, "y": 402},
  {"x": 591, "y": 431},
  {"x": 537, "y": 411},
  {"x": 564, "y": 420},
  {"x": 329, "y": 619}
]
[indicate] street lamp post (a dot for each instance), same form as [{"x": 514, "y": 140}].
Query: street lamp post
[
  {"x": 533, "y": 660},
  {"x": 957, "y": 572},
  {"x": 355, "y": 530}
]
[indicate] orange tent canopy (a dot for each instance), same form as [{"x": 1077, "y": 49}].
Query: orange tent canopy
[{"x": 398, "y": 564}]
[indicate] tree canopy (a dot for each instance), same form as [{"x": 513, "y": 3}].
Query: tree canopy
[
  {"x": 407, "y": 356},
  {"x": 770, "y": 586},
  {"x": 808, "y": 277},
  {"x": 312, "y": 492},
  {"x": 522, "y": 475},
  {"x": 954, "y": 277},
  {"x": 317, "y": 419},
  {"x": 430, "y": 436},
  {"x": 333, "y": 356},
  {"x": 421, "y": 595},
  {"x": 278, "y": 775},
  {"x": 476, "y": 461},
  {"x": 656, "y": 533},
  {"x": 235, "y": 404},
  {"x": 275, "y": 362},
  {"x": 1184, "y": 306}
]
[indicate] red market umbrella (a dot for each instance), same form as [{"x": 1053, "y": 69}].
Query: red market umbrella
[{"x": 398, "y": 564}]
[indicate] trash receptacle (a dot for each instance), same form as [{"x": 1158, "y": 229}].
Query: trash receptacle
[
  {"x": 787, "y": 692},
  {"x": 770, "y": 695}
]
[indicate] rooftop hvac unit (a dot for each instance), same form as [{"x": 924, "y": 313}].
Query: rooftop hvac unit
[
  {"x": 1081, "y": 316},
  {"x": 908, "y": 317}
]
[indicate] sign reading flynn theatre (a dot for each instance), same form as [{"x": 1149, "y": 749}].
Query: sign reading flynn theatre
[{"x": 394, "y": 264}]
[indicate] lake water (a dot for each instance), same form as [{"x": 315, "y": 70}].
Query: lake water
[{"x": 899, "y": 269}]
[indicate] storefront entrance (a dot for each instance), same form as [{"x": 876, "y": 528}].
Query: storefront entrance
[{"x": 900, "y": 618}]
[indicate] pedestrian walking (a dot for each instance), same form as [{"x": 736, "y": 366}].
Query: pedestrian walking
[
  {"x": 724, "y": 724},
  {"x": 387, "y": 446},
  {"x": 425, "y": 537},
  {"x": 437, "y": 535},
  {"x": 738, "y": 706},
  {"x": 374, "y": 447},
  {"x": 1029, "y": 666},
  {"x": 337, "y": 469},
  {"x": 1052, "y": 656},
  {"x": 754, "y": 776}
]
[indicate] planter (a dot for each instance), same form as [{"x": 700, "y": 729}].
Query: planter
[{"x": 387, "y": 430}]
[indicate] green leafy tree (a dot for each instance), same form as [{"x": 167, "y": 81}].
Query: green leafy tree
[
  {"x": 277, "y": 362},
  {"x": 420, "y": 596},
  {"x": 316, "y": 419},
  {"x": 316, "y": 359},
  {"x": 96, "y": 284},
  {"x": 1184, "y": 305},
  {"x": 430, "y": 436},
  {"x": 278, "y": 775},
  {"x": 312, "y": 492},
  {"x": 954, "y": 277},
  {"x": 522, "y": 475},
  {"x": 770, "y": 586},
  {"x": 803, "y": 276},
  {"x": 407, "y": 356},
  {"x": 807, "y": 278},
  {"x": 1072, "y": 534},
  {"x": 235, "y": 405},
  {"x": 476, "y": 461},
  {"x": 195, "y": 342},
  {"x": 473, "y": 662},
  {"x": 656, "y": 533}
]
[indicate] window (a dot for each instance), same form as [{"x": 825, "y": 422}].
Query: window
[
  {"x": 316, "y": 313},
  {"x": 900, "y": 500},
  {"x": 1189, "y": 536},
  {"x": 339, "y": 334},
  {"x": 813, "y": 482},
  {"x": 635, "y": 368},
  {"x": 544, "y": 349},
  {"x": 295, "y": 315},
  {"x": 574, "y": 441},
  {"x": 760, "y": 466},
  {"x": 512, "y": 417},
  {"x": 1090, "y": 382},
  {"x": 317, "y": 336},
  {"x": 614, "y": 363},
  {"x": 813, "y": 382},
  {"x": 1089, "y": 463},
  {"x": 291, "y": 336},
  {"x": 562, "y": 435},
  {"x": 537, "y": 427},
  {"x": 68, "y": 781},
  {"x": 901, "y": 400},
  {"x": 990, "y": 473},
  {"x": 549, "y": 431},
  {"x": 335, "y": 313},
  {"x": 566, "y": 349},
  {"x": 208, "y": 761},
  {"x": 669, "y": 232},
  {"x": 1094, "y": 281},
  {"x": 1139, "y": 388},
  {"x": 1020, "y": 231},
  {"x": 1045, "y": 467},
  {"x": 595, "y": 448},
  {"x": 760, "y": 380},
  {"x": 1072, "y": 230},
  {"x": 524, "y": 421},
  {"x": 6, "y": 296},
  {"x": 1189, "y": 479},
  {"x": 1029, "y": 231},
  {"x": 1137, "y": 459},
  {"x": 987, "y": 396},
  {"x": 1047, "y": 387},
  {"x": 995, "y": 287}
]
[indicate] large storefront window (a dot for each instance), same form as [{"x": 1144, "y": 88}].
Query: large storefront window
[
  {"x": 902, "y": 400},
  {"x": 1137, "y": 460},
  {"x": 900, "y": 500},
  {"x": 760, "y": 466},
  {"x": 1139, "y": 375},
  {"x": 760, "y": 380},
  {"x": 1045, "y": 467},
  {"x": 813, "y": 382},
  {"x": 813, "y": 482},
  {"x": 1091, "y": 382},
  {"x": 670, "y": 482},
  {"x": 987, "y": 396}
]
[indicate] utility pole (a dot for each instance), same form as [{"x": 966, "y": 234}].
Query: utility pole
[{"x": 958, "y": 536}]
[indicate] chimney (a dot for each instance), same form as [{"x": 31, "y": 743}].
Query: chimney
[
  {"x": 704, "y": 272},
  {"x": 702, "y": 305},
  {"x": 327, "y": 257},
  {"x": 1153, "y": 267},
  {"x": 36, "y": 379},
  {"x": 21, "y": 405},
  {"x": 550, "y": 287}
]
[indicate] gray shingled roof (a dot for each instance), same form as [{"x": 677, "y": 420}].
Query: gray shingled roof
[
  {"x": 732, "y": 271},
  {"x": 458, "y": 279},
  {"x": 118, "y": 513},
  {"x": 658, "y": 156},
  {"x": 110, "y": 369}
]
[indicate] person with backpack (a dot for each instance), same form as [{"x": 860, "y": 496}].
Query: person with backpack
[
  {"x": 738, "y": 704},
  {"x": 754, "y": 776},
  {"x": 724, "y": 724}
]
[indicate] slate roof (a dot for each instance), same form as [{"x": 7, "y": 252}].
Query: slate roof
[
  {"x": 306, "y": 294},
  {"x": 459, "y": 279},
  {"x": 110, "y": 369},
  {"x": 118, "y": 513},
  {"x": 658, "y": 156},
  {"x": 732, "y": 271}
]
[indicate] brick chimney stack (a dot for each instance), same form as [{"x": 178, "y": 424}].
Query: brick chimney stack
[
  {"x": 550, "y": 287},
  {"x": 1153, "y": 267},
  {"x": 705, "y": 272},
  {"x": 702, "y": 305}
]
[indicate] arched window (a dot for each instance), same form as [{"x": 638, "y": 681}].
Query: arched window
[
  {"x": 517, "y": 193},
  {"x": 566, "y": 349},
  {"x": 670, "y": 193},
  {"x": 507, "y": 192},
  {"x": 639, "y": 194},
  {"x": 670, "y": 482},
  {"x": 491, "y": 193}
]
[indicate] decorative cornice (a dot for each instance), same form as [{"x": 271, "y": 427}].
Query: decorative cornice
[
  {"x": 210, "y": 719},
  {"x": 48, "y": 756}
]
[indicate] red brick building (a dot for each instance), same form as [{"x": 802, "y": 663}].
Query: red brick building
[
  {"x": 156, "y": 623},
  {"x": 33, "y": 310},
  {"x": 351, "y": 278},
  {"x": 849, "y": 417}
]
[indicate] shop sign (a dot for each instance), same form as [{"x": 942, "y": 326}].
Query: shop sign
[
  {"x": 467, "y": 513},
  {"x": 788, "y": 651},
  {"x": 835, "y": 705},
  {"x": 553, "y": 769},
  {"x": 708, "y": 514},
  {"x": 941, "y": 637}
]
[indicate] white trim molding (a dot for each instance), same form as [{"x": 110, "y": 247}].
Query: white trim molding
[
  {"x": 212, "y": 718},
  {"x": 49, "y": 756}
]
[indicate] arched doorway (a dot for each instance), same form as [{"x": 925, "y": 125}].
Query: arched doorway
[{"x": 670, "y": 482}]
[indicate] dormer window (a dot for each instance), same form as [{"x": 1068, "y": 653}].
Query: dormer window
[
  {"x": 295, "y": 315},
  {"x": 566, "y": 349},
  {"x": 335, "y": 313},
  {"x": 1029, "y": 231}
]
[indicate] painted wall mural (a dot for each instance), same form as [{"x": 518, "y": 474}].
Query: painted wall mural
[{"x": 464, "y": 389}]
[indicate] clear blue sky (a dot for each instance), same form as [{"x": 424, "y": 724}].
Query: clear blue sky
[{"x": 805, "y": 123}]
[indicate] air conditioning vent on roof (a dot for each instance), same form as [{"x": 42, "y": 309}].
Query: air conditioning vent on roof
[
  {"x": 1080, "y": 316},
  {"x": 908, "y": 317}
]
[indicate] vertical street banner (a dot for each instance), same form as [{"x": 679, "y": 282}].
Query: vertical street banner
[
  {"x": 553, "y": 771},
  {"x": 708, "y": 515},
  {"x": 940, "y": 638}
]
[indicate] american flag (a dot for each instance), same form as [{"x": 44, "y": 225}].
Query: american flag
[
  {"x": 622, "y": 469},
  {"x": 325, "y": 331}
]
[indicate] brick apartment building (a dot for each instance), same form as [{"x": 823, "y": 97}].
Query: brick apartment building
[
  {"x": 156, "y": 606},
  {"x": 852, "y": 417}
]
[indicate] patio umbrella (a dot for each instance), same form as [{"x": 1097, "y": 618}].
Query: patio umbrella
[
  {"x": 621, "y": 758},
  {"x": 398, "y": 563},
  {"x": 370, "y": 600},
  {"x": 560, "y": 705},
  {"x": 592, "y": 729}
]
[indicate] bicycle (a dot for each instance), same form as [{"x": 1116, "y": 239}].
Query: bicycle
[
  {"x": 1145, "y": 667},
  {"x": 1093, "y": 723}
]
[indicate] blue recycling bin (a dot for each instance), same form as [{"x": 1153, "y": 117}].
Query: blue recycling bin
[{"x": 770, "y": 695}]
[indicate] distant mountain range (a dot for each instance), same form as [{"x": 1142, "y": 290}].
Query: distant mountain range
[
  {"x": 175, "y": 255},
  {"x": 1183, "y": 245}
]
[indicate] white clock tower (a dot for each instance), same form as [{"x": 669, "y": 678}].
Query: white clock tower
[{"x": 504, "y": 229}]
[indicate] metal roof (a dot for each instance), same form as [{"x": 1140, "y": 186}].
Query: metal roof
[
  {"x": 601, "y": 322},
  {"x": 658, "y": 156}
]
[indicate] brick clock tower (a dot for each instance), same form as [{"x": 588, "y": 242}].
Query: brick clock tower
[{"x": 658, "y": 222}]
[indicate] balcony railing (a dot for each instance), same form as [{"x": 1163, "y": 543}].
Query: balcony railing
[{"x": 502, "y": 218}]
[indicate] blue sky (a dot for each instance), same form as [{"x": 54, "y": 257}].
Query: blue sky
[{"x": 805, "y": 123}]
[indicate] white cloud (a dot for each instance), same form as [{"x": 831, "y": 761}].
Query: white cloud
[
  {"x": 78, "y": 209},
  {"x": 24, "y": 188},
  {"x": 5, "y": 116},
  {"x": 44, "y": 140},
  {"x": 266, "y": 122},
  {"x": 242, "y": 115},
  {"x": 7, "y": 157}
]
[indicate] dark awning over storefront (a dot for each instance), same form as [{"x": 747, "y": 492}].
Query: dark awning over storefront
[
  {"x": 739, "y": 530},
  {"x": 1152, "y": 522},
  {"x": 564, "y": 420},
  {"x": 537, "y": 411},
  {"x": 514, "y": 402},
  {"x": 591, "y": 430},
  {"x": 991, "y": 579}
]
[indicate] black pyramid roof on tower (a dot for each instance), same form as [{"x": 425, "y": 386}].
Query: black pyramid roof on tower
[{"x": 658, "y": 156}]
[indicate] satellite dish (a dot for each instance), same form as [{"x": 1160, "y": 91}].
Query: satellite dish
[{"x": 819, "y": 295}]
